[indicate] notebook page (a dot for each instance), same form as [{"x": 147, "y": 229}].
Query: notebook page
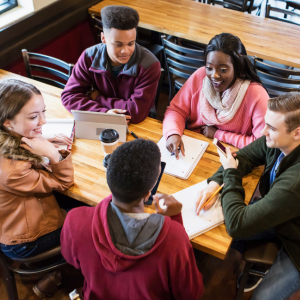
[
  {"x": 58, "y": 126},
  {"x": 184, "y": 166},
  {"x": 193, "y": 224}
]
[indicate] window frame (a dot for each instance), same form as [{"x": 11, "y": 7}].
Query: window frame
[{"x": 8, "y": 5}]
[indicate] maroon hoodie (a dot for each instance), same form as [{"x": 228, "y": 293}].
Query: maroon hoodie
[{"x": 167, "y": 271}]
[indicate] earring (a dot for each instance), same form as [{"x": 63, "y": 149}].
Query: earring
[{"x": 10, "y": 128}]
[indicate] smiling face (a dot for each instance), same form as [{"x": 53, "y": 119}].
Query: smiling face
[
  {"x": 220, "y": 70},
  {"x": 277, "y": 135},
  {"x": 120, "y": 44},
  {"x": 29, "y": 121}
]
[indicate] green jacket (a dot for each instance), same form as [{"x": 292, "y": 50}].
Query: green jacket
[{"x": 280, "y": 206}]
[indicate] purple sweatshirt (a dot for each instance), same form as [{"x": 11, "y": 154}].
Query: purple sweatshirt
[{"x": 134, "y": 89}]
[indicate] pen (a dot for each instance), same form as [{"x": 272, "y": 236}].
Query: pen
[
  {"x": 174, "y": 152},
  {"x": 214, "y": 194},
  {"x": 134, "y": 135}
]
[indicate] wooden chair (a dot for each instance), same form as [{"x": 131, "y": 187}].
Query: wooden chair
[
  {"x": 181, "y": 63},
  {"x": 153, "y": 111},
  {"x": 154, "y": 48},
  {"x": 259, "y": 253},
  {"x": 285, "y": 13},
  {"x": 26, "y": 267},
  {"x": 27, "y": 56},
  {"x": 276, "y": 79},
  {"x": 239, "y": 5}
]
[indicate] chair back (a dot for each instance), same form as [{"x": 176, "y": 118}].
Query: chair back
[
  {"x": 181, "y": 63},
  {"x": 239, "y": 5},
  {"x": 97, "y": 23},
  {"x": 45, "y": 69},
  {"x": 285, "y": 13},
  {"x": 277, "y": 80}
]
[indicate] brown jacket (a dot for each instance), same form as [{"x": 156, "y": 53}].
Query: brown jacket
[{"x": 28, "y": 208}]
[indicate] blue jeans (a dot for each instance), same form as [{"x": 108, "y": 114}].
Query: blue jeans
[
  {"x": 281, "y": 282},
  {"x": 34, "y": 248},
  {"x": 45, "y": 242}
]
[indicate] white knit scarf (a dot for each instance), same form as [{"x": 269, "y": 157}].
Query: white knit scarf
[{"x": 218, "y": 110}]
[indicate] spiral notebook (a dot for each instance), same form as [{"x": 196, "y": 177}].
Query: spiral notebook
[
  {"x": 185, "y": 165},
  {"x": 196, "y": 225}
]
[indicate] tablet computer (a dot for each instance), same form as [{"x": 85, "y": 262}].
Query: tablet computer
[{"x": 89, "y": 124}]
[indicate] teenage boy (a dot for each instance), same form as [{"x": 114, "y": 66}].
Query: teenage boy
[
  {"x": 277, "y": 214},
  {"x": 123, "y": 252},
  {"x": 118, "y": 75}
]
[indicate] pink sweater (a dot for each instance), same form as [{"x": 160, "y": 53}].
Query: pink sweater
[{"x": 243, "y": 129}]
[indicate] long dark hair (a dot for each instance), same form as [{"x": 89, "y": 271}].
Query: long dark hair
[{"x": 231, "y": 45}]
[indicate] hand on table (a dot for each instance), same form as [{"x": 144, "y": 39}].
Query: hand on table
[
  {"x": 61, "y": 139},
  {"x": 94, "y": 94},
  {"x": 173, "y": 143},
  {"x": 229, "y": 161},
  {"x": 205, "y": 194},
  {"x": 173, "y": 206},
  {"x": 119, "y": 111},
  {"x": 42, "y": 147},
  {"x": 208, "y": 131}
]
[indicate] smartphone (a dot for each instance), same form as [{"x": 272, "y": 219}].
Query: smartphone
[
  {"x": 219, "y": 145},
  {"x": 153, "y": 192}
]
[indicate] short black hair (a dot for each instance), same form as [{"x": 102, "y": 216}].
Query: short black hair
[
  {"x": 133, "y": 170},
  {"x": 119, "y": 17}
]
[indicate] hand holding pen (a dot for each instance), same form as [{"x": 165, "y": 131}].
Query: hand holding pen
[{"x": 175, "y": 145}]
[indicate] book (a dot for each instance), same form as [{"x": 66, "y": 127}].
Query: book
[
  {"x": 196, "y": 225},
  {"x": 59, "y": 126},
  {"x": 185, "y": 165}
]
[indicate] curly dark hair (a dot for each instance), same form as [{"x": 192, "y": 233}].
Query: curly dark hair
[
  {"x": 119, "y": 17},
  {"x": 231, "y": 45},
  {"x": 133, "y": 170}
]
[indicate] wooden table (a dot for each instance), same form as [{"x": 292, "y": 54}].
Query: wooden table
[
  {"x": 266, "y": 38},
  {"x": 90, "y": 179}
]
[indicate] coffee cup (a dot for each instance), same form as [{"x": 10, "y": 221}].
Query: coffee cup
[{"x": 109, "y": 140}]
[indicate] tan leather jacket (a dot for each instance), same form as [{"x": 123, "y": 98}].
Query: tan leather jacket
[{"x": 28, "y": 208}]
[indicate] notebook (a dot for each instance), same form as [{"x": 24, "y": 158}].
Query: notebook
[
  {"x": 196, "y": 225},
  {"x": 57, "y": 126},
  {"x": 185, "y": 165}
]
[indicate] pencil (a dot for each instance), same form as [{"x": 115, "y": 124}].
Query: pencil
[{"x": 214, "y": 194}]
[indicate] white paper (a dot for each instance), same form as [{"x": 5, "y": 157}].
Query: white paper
[
  {"x": 196, "y": 225},
  {"x": 184, "y": 166},
  {"x": 58, "y": 126}
]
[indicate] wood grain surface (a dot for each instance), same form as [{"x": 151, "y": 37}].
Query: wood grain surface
[
  {"x": 266, "y": 38},
  {"x": 90, "y": 179}
]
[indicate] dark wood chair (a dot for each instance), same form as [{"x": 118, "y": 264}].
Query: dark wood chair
[
  {"x": 26, "y": 266},
  {"x": 285, "y": 12},
  {"x": 46, "y": 69},
  {"x": 153, "y": 110},
  {"x": 181, "y": 63},
  {"x": 259, "y": 253},
  {"x": 239, "y": 5},
  {"x": 152, "y": 47},
  {"x": 276, "y": 79}
]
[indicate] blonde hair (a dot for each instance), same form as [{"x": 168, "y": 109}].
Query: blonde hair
[{"x": 289, "y": 105}]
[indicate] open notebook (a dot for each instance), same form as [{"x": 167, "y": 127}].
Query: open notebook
[
  {"x": 57, "y": 126},
  {"x": 193, "y": 224},
  {"x": 184, "y": 166}
]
